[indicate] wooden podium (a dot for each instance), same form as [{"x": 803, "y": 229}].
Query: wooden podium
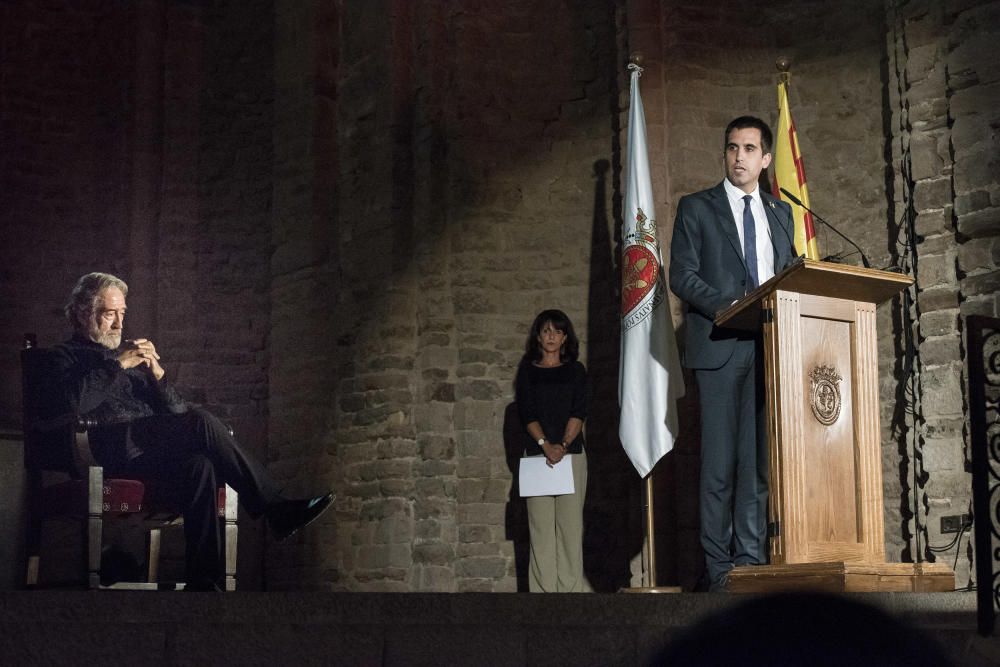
[{"x": 821, "y": 379}]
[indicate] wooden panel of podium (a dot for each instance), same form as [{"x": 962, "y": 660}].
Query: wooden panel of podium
[{"x": 821, "y": 379}]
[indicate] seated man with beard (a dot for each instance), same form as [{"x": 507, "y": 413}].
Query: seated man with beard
[{"x": 146, "y": 429}]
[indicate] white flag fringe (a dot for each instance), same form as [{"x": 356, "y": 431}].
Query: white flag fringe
[{"x": 650, "y": 378}]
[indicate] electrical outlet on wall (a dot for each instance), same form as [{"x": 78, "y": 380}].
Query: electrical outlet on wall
[{"x": 954, "y": 523}]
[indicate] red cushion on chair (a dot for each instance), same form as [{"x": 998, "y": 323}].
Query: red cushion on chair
[
  {"x": 119, "y": 496},
  {"x": 123, "y": 496}
]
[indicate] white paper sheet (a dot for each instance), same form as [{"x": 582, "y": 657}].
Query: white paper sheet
[{"x": 537, "y": 479}]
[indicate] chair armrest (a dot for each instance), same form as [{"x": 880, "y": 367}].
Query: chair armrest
[
  {"x": 79, "y": 423},
  {"x": 75, "y": 456}
]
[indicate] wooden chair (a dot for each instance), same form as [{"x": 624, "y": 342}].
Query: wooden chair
[{"x": 65, "y": 482}]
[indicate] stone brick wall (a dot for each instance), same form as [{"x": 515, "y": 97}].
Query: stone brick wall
[
  {"x": 219, "y": 293},
  {"x": 64, "y": 165},
  {"x": 467, "y": 196},
  {"x": 943, "y": 91},
  {"x": 306, "y": 319}
]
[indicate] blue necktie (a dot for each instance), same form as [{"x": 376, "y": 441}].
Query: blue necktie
[{"x": 750, "y": 245}]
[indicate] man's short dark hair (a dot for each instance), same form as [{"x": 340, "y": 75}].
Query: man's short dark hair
[{"x": 743, "y": 122}]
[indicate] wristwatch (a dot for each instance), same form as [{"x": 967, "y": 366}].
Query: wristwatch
[{"x": 541, "y": 441}]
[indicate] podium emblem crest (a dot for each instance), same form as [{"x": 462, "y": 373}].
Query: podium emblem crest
[{"x": 824, "y": 394}]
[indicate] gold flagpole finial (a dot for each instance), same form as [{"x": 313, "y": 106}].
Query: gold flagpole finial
[{"x": 783, "y": 64}]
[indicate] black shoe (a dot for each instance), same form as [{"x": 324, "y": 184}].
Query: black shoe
[
  {"x": 286, "y": 517},
  {"x": 721, "y": 585}
]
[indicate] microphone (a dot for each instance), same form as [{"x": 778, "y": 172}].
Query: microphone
[
  {"x": 795, "y": 200},
  {"x": 791, "y": 241}
]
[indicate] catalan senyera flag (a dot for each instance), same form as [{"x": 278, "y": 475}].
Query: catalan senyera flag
[
  {"x": 788, "y": 172},
  {"x": 650, "y": 379}
]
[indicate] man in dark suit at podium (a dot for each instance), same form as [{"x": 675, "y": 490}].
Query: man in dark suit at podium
[{"x": 728, "y": 240}]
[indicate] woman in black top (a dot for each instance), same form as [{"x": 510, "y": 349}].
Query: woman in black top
[{"x": 552, "y": 396}]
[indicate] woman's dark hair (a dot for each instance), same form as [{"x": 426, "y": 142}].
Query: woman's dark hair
[{"x": 560, "y": 321}]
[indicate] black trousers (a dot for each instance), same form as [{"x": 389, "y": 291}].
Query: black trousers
[{"x": 193, "y": 454}]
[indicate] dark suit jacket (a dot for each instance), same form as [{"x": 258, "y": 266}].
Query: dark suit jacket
[
  {"x": 707, "y": 269},
  {"x": 87, "y": 379}
]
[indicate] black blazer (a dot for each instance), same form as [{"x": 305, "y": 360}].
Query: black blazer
[
  {"x": 707, "y": 269},
  {"x": 86, "y": 378}
]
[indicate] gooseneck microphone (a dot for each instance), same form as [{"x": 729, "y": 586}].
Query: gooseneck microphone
[{"x": 795, "y": 200}]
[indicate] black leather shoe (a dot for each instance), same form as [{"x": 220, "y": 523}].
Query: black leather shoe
[
  {"x": 721, "y": 585},
  {"x": 286, "y": 517}
]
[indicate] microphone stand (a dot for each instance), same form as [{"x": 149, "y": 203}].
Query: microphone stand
[{"x": 795, "y": 200}]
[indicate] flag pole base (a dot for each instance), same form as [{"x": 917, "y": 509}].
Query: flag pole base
[{"x": 651, "y": 589}]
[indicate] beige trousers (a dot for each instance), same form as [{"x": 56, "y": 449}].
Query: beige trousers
[{"x": 556, "y": 527}]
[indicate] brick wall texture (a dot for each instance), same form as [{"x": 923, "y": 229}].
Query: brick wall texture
[{"x": 338, "y": 220}]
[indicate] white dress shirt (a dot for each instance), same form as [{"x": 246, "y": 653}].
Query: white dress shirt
[{"x": 762, "y": 231}]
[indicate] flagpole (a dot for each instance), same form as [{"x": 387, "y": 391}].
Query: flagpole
[
  {"x": 787, "y": 170},
  {"x": 643, "y": 283},
  {"x": 636, "y": 59},
  {"x": 650, "y": 532}
]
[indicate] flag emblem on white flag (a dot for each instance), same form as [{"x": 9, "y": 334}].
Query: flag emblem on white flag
[
  {"x": 650, "y": 379},
  {"x": 640, "y": 272}
]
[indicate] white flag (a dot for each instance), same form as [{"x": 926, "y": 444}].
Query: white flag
[{"x": 650, "y": 379}]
